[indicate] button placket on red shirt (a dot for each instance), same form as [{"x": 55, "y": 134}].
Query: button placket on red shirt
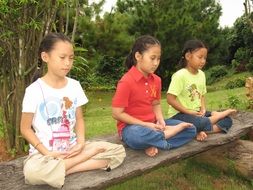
[{"x": 146, "y": 88}]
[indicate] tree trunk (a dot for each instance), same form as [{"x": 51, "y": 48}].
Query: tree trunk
[
  {"x": 25, "y": 30},
  {"x": 75, "y": 21}
]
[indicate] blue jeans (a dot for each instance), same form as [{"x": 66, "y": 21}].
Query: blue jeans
[
  {"x": 203, "y": 123},
  {"x": 140, "y": 137}
]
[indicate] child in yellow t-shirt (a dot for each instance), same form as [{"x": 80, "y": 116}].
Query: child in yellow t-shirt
[{"x": 185, "y": 95}]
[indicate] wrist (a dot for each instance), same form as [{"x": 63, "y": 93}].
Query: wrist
[{"x": 81, "y": 143}]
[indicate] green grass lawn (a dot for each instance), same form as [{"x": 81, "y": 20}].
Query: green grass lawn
[{"x": 185, "y": 175}]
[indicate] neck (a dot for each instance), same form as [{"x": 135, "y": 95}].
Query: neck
[
  {"x": 144, "y": 73},
  {"x": 192, "y": 71},
  {"x": 53, "y": 81}
]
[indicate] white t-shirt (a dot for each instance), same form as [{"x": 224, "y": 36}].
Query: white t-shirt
[{"x": 54, "y": 113}]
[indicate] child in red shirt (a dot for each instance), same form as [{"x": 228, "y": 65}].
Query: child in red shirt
[{"x": 136, "y": 103}]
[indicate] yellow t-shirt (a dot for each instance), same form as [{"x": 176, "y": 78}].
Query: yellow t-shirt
[{"x": 188, "y": 88}]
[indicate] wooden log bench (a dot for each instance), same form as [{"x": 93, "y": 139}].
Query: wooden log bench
[{"x": 136, "y": 162}]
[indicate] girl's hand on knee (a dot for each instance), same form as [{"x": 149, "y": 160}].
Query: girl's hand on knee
[
  {"x": 75, "y": 150},
  {"x": 154, "y": 126},
  {"x": 162, "y": 123},
  {"x": 57, "y": 154},
  {"x": 196, "y": 113}
]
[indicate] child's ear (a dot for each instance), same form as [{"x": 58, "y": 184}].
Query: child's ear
[
  {"x": 187, "y": 55},
  {"x": 137, "y": 56},
  {"x": 44, "y": 56}
]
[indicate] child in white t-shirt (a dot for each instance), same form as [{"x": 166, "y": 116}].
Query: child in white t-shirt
[{"x": 52, "y": 106}]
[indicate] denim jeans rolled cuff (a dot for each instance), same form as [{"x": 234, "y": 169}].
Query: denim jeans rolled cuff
[
  {"x": 139, "y": 137},
  {"x": 201, "y": 123},
  {"x": 225, "y": 124}
]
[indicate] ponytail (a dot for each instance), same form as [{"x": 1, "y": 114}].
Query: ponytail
[
  {"x": 130, "y": 60},
  {"x": 38, "y": 73},
  {"x": 182, "y": 62}
]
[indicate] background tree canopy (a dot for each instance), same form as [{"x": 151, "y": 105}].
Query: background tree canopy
[{"x": 103, "y": 42}]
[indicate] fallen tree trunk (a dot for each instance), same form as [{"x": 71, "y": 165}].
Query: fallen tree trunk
[{"x": 136, "y": 162}]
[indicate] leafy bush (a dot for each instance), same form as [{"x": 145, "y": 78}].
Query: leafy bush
[
  {"x": 80, "y": 70},
  {"x": 249, "y": 66},
  {"x": 233, "y": 101},
  {"x": 235, "y": 84},
  {"x": 241, "y": 58},
  {"x": 215, "y": 73},
  {"x": 110, "y": 70}
]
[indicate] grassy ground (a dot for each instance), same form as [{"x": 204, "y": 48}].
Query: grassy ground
[{"x": 185, "y": 175}]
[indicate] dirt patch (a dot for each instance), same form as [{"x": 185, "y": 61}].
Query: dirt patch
[{"x": 4, "y": 156}]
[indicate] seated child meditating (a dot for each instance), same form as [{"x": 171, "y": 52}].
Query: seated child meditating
[
  {"x": 52, "y": 105},
  {"x": 185, "y": 95},
  {"x": 136, "y": 103}
]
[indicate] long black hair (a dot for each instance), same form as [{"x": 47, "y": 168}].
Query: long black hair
[
  {"x": 141, "y": 45},
  {"x": 46, "y": 45},
  {"x": 190, "y": 46}
]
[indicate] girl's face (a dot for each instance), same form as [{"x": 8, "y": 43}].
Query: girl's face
[
  {"x": 196, "y": 59},
  {"x": 60, "y": 59},
  {"x": 149, "y": 60}
]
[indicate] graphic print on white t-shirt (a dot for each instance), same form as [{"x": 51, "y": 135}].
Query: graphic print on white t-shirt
[{"x": 60, "y": 116}]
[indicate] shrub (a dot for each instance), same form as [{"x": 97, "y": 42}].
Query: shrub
[
  {"x": 235, "y": 84},
  {"x": 233, "y": 101},
  {"x": 215, "y": 73},
  {"x": 110, "y": 70},
  {"x": 249, "y": 66}
]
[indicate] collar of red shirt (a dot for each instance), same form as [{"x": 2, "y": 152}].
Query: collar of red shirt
[{"x": 137, "y": 75}]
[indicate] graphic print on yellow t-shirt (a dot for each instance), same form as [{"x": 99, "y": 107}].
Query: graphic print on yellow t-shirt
[{"x": 194, "y": 93}]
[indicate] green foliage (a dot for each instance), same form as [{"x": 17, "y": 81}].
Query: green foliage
[
  {"x": 233, "y": 101},
  {"x": 80, "y": 69},
  {"x": 173, "y": 23},
  {"x": 235, "y": 84},
  {"x": 215, "y": 73},
  {"x": 249, "y": 66},
  {"x": 110, "y": 70},
  {"x": 235, "y": 64},
  {"x": 241, "y": 44}
]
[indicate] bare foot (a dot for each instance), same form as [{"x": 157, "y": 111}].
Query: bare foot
[
  {"x": 151, "y": 151},
  {"x": 201, "y": 136},
  {"x": 214, "y": 113},
  {"x": 170, "y": 131},
  {"x": 225, "y": 112},
  {"x": 184, "y": 125},
  {"x": 231, "y": 111}
]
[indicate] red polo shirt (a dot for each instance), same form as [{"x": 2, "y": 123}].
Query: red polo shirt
[{"x": 136, "y": 93}]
